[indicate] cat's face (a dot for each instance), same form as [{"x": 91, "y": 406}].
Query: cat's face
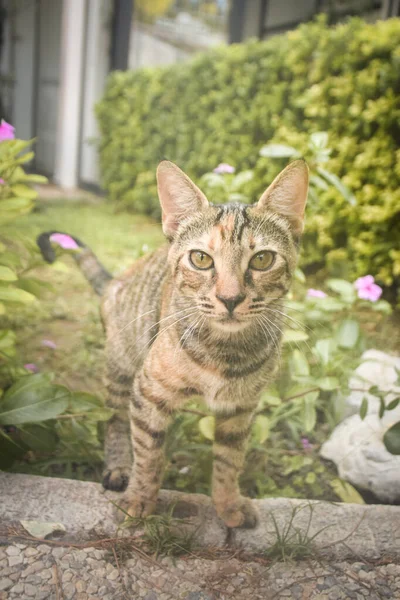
[{"x": 231, "y": 261}]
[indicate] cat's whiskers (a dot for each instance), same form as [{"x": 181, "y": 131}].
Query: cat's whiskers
[
  {"x": 147, "y": 345},
  {"x": 133, "y": 320},
  {"x": 269, "y": 335},
  {"x": 159, "y": 333},
  {"x": 300, "y": 326},
  {"x": 295, "y": 321},
  {"x": 174, "y": 314},
  {"x": 274, "y": 336},
  {"x": 186, "y": 334}
]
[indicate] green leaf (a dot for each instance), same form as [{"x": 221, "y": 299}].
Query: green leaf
[
  {"x": 11, "y": 259},
  {"x": 82, "y": 402},
  {"x": 391, "y": 439},
  {"x": 338, "y": 184},
  {"x": 31, "y": 404},
  {"x": 346, "y": 492},
  {"x": 319, "y": 139},
  {"x": 25, "y": 158},
  {"x": 261, "y": 428},
  {"x": 348, "y": 333},
  {"x": 381, "y": 306},
  {"x": 382, "y": 407},
  {"x": 319, "y": 183},
  {"x": 324, "y": 350},
  {"x": 33, "y": 178},
  {"x": 14, "y": 147},
  {"x": 342, "y": 287},
  {"x": 15, "y": 204},
  {"x": 60, "y": 266},
  {"x": 24, "y": 191},
  {"x": 327, "y": 304},
  {"x": 294, "y": 335},
  {"x": 299, "y": 275},
  {"x": 101, "y": 414},
  {"x": 270, "y": 398},
  {"x": 364, "y": 408},
  {"x": 293, "y": 305},
  {"x": 6, "y": 274},
  {"x": 393, "y": 404},
  {"x": 310, "y": 411},
  {"x": 311, "y": 478},
  {"x": 327, "y": 383},
  {"x": 241, "y": 179},
  {"x": 7, "y": 339},
  {"x": 299, "y": 363},
  {"x": 213, "y": 181},
  {"x": 10, "y": 294},
  {"x": 34, "y": 286},
  {"x": 278, "y": 151},
  {"x": 29, "y": 382},
  {"x": 9, "y": 451},
  {"x": 41, "y": 439},
  {"x": 207, "y": 427}
]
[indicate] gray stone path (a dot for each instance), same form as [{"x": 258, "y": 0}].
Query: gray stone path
[
  {"x": 357, "y": 556},
  {"x": 45, "y": 572}
]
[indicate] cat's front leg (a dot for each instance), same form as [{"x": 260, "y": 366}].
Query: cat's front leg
[
  {"x": 232, "y": 431},
  {"x": 150, "y": 415}
]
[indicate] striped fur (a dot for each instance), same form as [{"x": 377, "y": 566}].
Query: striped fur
[{"x": 169, "y": 335}]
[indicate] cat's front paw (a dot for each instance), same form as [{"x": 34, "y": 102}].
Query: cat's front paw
[
  {"x": 116, "y": 479},
  {"x": 135, "y": 507},
  {"x": 238, "y": 513}
]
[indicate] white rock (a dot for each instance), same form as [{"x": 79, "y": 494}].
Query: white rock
[
  {"x": 377, "y": 368},
  {"x": 356, "y": 447}
]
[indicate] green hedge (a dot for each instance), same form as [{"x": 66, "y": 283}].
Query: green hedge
[{"x": 224, "y": 105}]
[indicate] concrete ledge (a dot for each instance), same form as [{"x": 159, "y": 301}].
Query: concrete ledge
[{"x": 341, "y": 530}]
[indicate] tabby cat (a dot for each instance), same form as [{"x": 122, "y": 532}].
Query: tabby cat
[{"x": 201, "y": 315}]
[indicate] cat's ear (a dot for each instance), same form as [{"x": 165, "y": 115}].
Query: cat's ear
[
  {"x": 179, "y": 196},
  {"x": 287, "y": 195}
]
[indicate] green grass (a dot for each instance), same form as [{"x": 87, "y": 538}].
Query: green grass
[
  {"x": 117, "y": 238},
  {"x": 69, "y": 314}
]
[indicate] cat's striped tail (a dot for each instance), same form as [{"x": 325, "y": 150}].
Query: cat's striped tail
[{"x": 91, "y": 267}]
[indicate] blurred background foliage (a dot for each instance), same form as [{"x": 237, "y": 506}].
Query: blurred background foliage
[
  {"x": 39, "y": 418},
  {"x": 226, "y": 104}
]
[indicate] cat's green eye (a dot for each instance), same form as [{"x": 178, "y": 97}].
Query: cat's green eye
[
  {"x": 201, "y": 260},
  {"x": 262, "y": 260}
]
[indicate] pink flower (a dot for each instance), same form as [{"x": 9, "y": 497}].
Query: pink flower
[
  {"x": 6, "y": 131},
  {"x": 305, "y": 442},
  {"x": 224, "y": 168},
  {"x": 49, "y": 344},
  {"x": 31, "y": 367},
  {"x": 367, "y": 289},
  {"x": 64, "y": 240},
  {"x": 311, "y": 293},
  {"x": 2, "y": 182}
]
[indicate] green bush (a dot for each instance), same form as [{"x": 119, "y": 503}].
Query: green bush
[
  {"x": 226, "y": 104},
  {"x": 52, "y": 425}
]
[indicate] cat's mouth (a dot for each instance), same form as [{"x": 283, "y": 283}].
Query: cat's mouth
[{"x": 230, "y": 323}]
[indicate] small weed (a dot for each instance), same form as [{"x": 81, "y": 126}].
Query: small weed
[
  {"x": 292, "y": 543},
  {"x": 162, "y": 534}
]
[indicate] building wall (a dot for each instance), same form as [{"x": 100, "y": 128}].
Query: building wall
[
  {"x": 264, "y": 18},
  {"x": 24, "y": 104},
  {"x": 46, "y": 94},
  {"x": 96, "y": 68},
  {"x": 7, "y": 69}
]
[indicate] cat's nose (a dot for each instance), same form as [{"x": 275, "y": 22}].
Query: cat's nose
[{"x": 232, "y": 302}]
